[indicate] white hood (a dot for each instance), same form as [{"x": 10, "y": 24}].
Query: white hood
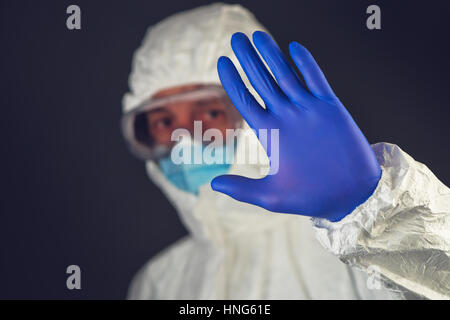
[{"x": 183, "y": 49}]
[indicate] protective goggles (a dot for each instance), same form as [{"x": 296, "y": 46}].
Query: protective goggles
[{"x": 135, "y": 126}]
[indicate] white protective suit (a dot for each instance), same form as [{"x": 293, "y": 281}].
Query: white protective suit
[{"x": 400, "y": 235}]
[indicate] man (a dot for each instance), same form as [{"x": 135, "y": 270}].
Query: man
[{"x": 378, "y": 210}]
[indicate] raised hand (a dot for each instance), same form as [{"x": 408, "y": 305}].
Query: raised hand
[{"x": 326, "y": 166}]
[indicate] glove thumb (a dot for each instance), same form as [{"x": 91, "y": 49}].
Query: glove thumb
[{"x": 240, "y": 188}]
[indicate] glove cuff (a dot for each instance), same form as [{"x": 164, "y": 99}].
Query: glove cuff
[{"x": 341, "y": 237}]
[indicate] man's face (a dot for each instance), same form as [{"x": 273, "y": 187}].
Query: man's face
[{"x": 211, "y": 111}]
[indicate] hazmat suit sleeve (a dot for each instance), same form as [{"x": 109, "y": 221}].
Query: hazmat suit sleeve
[{"x": 401, "y": 234}]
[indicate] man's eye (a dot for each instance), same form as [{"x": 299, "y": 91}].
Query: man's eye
[
  {"x": 163, "y": 123},
  {"x": 214, "y": 113}
]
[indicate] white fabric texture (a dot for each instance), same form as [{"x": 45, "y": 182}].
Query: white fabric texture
[
  {"x": 184, "y": 48},
  {"x": 240, "y": 251},
  {"x": 402, "y": 232}
]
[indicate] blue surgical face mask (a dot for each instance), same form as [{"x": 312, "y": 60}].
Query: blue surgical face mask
[{"x": 189, "y": 177}]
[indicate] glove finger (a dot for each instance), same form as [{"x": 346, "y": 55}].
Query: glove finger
[
  {"x": 256, "y": 72},
  {"x": 286, "y": 77},
  {"x": 241, "y": 188},
  {"x": 314, "y": 77},
  {"x": 241, "y": 98}
]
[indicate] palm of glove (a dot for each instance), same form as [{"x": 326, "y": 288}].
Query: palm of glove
[{"x": 326, "y": 167}]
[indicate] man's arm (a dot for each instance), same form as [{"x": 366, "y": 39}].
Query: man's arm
[
  {"x": 401, "y": 234},
  {"x": 376, "y": 208}
]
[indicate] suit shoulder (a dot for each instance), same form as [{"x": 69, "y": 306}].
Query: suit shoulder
[{"x": 142, "y": 284}]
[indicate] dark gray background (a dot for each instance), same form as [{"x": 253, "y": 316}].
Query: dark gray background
[{"x": 70, "y": 191}]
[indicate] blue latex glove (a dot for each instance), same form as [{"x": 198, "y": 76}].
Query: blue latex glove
[{"x": 326, "y": 166}]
